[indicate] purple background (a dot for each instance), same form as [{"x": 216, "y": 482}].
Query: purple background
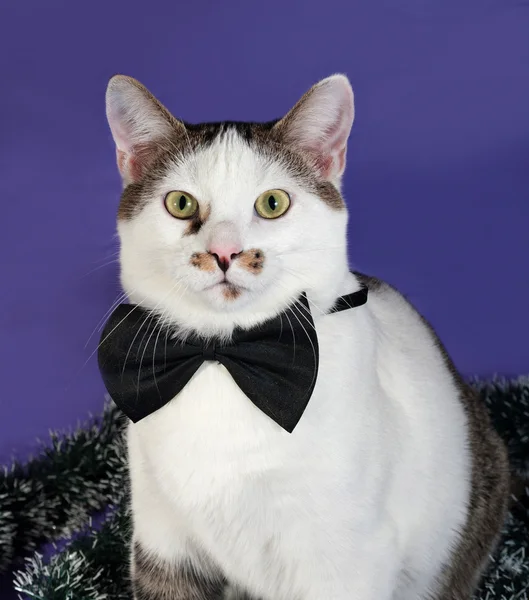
[{"x": 437, "y": 181}]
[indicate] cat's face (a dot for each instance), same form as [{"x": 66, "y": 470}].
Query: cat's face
[{"x": 226, "y": 224}]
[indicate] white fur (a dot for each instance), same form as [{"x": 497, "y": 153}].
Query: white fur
[{"x": 363, "y": 500}]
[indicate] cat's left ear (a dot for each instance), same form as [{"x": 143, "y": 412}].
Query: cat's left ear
[{"x": 319, "y": 125}]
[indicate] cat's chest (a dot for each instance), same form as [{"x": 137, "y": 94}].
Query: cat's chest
[
  {"x": 212, "y": 436},
  {"x": 210, "y": 421}
]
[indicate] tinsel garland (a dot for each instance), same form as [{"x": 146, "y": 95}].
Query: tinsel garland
[
  {"x": 94, "y": 566},
  {"x": 54, "y": 494},
  {"x": 508, "y": 404}
]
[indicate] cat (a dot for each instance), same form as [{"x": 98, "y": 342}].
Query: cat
[{"x": 393, "y": 485}]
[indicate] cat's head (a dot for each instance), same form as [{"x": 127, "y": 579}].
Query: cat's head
[{"x": 225, "y": 224}]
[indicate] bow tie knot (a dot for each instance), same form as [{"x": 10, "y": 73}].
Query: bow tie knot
[{"x": 210, "y": 351}]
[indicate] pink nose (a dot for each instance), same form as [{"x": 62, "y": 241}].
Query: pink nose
[{"x": 224, "y": 254}]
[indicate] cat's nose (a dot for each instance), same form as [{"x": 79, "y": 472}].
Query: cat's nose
[{"x": 224, "y": 254}]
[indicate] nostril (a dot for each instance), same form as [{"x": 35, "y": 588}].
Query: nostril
[
  {"x": 222, "y": 261},
  {"x": 235, "y": 255}
]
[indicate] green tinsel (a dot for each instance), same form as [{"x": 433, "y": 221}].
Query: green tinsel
[
  {"x": 508, "y": 404},
  {"x": 94, "y": 566},
  {"x": 55, "y": 494}
]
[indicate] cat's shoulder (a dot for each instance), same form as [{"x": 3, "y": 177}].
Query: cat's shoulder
[
  {"x": 396, "y": 314},
  {"x": 395, "y": 311},
  {"x": 380, "y": 290}
]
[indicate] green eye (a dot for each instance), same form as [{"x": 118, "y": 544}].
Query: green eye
[
  {"x": 272, "y": 204},
  {"x": 181, "y": 205}
]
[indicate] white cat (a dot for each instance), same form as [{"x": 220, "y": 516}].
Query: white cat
[{"x": 393, "y": 484}]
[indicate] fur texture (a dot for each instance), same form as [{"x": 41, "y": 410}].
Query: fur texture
[{"x": 220, "y": 493}]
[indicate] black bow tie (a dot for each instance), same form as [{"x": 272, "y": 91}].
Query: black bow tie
[{"x": 275, "y": 364}]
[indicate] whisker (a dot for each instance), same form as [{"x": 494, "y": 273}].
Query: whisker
[
  {"x": 151, "y": 313},
  {"x": 322, "y": 312},
  {"x": 293, "y": 337},
  {"x": 141, "y": 362},
  {"x": 311, "y": 343},
  {"x": 298, "y": 306},
  {"x": 150, "y": 316},
  {"x": 106, "y": 338},
  {"x": 292, "y": 272},
  {"x": 107, "y": 256},
  {"x": 312, "y": 249},
  {"x": 162, "y": 325},
  {"x": 164, "y": 318},
  {"x": 315, "y": 306},
  {"x": 132, "y": 343},
  {"x": 101, "y": 322},
  {"x": 111, "y": 262}
]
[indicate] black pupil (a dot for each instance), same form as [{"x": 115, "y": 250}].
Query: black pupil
[
  {"x": 182, "y": 202},
  {"x": 272, "y": 202}
]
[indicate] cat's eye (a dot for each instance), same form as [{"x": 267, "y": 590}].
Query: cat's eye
[
  {"x": 272, "y": 204},
  {"x": 181, "y": 205}
]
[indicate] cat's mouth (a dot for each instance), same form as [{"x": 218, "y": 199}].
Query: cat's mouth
[{"x": 230, "y": 291}]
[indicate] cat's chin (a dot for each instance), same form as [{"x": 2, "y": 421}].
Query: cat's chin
[{"x": 226, "y": 296}]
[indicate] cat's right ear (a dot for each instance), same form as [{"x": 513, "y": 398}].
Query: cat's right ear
[
  {"x": 319, "y": 125},
  {"x": 140, "y": 125}
]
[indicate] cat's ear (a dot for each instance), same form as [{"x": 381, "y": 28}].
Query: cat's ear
[
  {"x": 140, "y": 125},
  {"x": 319, "y": 125}
]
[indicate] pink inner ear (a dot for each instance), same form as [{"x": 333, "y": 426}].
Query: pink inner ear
[
  {"x": 329, "y": 150},
  {"x": 330, "y": 155},
  {"x": 324, "y": 164},
  {"x": 331, "y": 163},
  {"x": 340, "y": 160},
  {"x": 121, "y": 158},
  {"x": 136, "y": 169},
  {"x": 132, "y": 166}
]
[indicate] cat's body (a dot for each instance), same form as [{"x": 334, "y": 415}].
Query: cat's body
[{"x": 392, "y": 485}]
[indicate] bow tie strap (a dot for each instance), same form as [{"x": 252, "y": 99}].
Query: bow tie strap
[{"x": 350, "y": 300}]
